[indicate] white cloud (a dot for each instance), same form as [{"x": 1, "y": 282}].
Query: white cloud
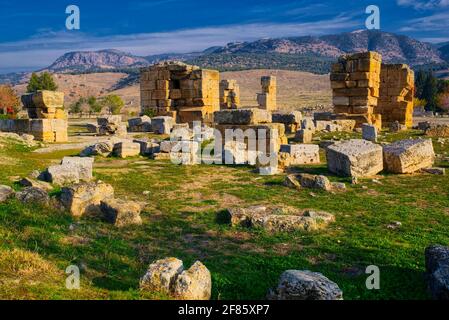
[
  {"x": 435, "y": 22},
  {"x": 423, "y": 5},
  {"x": 42, "y": 49}
]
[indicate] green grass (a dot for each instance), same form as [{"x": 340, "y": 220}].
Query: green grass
[{"x": 183, "y": 218}]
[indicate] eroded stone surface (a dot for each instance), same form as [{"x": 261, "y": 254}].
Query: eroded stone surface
[
  {"x": 194, "y": 283},
  {"x": 121, "y": 213},
  {"x": 305, "y": 285},
  {"x": 356, "y": 158},
  {"x": 408, "y": 156},
  {"x": 437, "y": 271}
]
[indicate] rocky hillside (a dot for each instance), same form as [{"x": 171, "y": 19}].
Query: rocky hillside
[
  {"x": 96, "y": 60},
  {"x": 394, "y": 48}
]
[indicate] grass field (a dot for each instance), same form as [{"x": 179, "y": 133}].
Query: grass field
[{"x": 183, "y": 218}]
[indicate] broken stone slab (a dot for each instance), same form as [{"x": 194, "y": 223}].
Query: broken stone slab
[
  {"x": 436, "y": 171},
  {"x": 438, "y": 131},
  {"x": 242, "y": 116},
  {"x": 110, "y": 120},
  {"x": 85, "y": 198},
  {"x": 321, "y": 125},
  {"x": 147, "y": 147},
  {"x": 292, "y": 117},
  {"x": 121, "y": 213},
  {"x": 278, "y": 219},
  {"x": 62, "y": 175},
  {"x": 162, "y": 125},
  {"x": 302, "y": 153},
  {"x": 314, "y": 181},
  {"x": 304, "y": 136},
  {"x": 32, "y": 195},
  {"x": 355, "y": 158},
  {"x": 103, "y": 149},
  {"x": 305, "y": 285},
  {"x": 30, "y": 182},
  {"x": 93, "y": 128},
  {"x": 408, "y": 156},
  {"x": 397, "y": 127},
  {"x": 84, "y": 166},
  {"x": 345, "y": 124},
  {"x": 437, "y": 271},
  {"x": 308, "y": 124},
  {"x": 169, "y": 277},
  {"x": 234, "y": 152},
  {"x": 194, "y": 283},
  {"x": 167, "y": 146},
  {"x": 126, "y": 149},
  {"x": 161, "y": 275},
  {"x": 6, "y": 192},
  {"x": 369, "y": 132},
  {"x": 140, "y": 124},
  {"x": 269, "y": 170}
]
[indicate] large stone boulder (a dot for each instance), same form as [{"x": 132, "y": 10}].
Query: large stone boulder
[
  {"x": 121, "y": 213},
  {"x": 62, "y": 175},
  {"x": 278, "y": 219},
  {"x": 194, "y": 283},
  {"x": 103, "y": 149},
  {"x": 301, "y": 153},
  {"x": 71, "y": 170},
  {"x": 437, "y": 271},
  {"x": 161, "y": 275},
  {"x": 355, "y": 158},
  {"x": 408, "y": 156},
  {"x": 169, "y": 277},
  {"x": 126, "y": 149},
  {"x": 140, "y": 124},
  {"x": 84, "y": 166},
  {"x": 6, "y": 192},
  {"x": 305, "y": 285},
  {"x": 147, "y": 146},
  {"x": 85, "y": 198},
  {"x": 242, "y": 116},
  {"x": 162, "y": 125},
  {"x": 32, "y": 195}
]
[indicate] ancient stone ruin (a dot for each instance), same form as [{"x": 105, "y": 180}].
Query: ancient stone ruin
[
  {"x": 186, "y": 93},
  {"x": 397, "y": 89},
  {"x": 267, "y": 99},
  {"x": 355, "y": 81},
  {"x": 47, "y": 119},
  {"x": 229, "y": 94},
  {"x": 370, "y": 92}
]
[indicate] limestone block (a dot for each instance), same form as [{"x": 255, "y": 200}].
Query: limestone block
[
  {"x": 194, "y": 283},
  {"x": 304, "y": 136},
  {"x": 161, "y": 275},
  {"x": 355, "y": 158},
  {"x": 162, "y": 125},
  {"x": 85, "y": 198},
  {"x": 408, "y": 156},
  {"x": 302, "y": 153},
  {"x": 126, "y": 149},
  {"x": 242, "y": 116},
  {"x": 84, "y": 166},
  {"x": 121, "y": 213},
  {"x": 369, "y": 132}
]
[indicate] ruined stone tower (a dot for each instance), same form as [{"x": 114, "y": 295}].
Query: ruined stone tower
[{"x": 184, "y": 92}]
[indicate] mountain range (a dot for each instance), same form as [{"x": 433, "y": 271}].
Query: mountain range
[{"x": 307, "y": 53}]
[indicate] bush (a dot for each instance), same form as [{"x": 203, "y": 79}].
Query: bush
[{"x": 44, "y": 81}]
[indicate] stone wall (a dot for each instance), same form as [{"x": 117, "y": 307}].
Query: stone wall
[
  {"x": 370, "y": 92},
  {"x": 267, "y": 99},
  {"x": 355, "y": 82},
  {"x": 397, "y": 89},
  {"x": 229, "y": 94},
  {"x": 48, "y": 120},
  {"x": 184, "y": 92}
]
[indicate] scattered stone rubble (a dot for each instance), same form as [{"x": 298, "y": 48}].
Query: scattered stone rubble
[
  {"x": 111, "y": 125},
  {"x": 140, "y": 124},
  {"x": 304, "y": 285},
  {"x": 71, "y": 170},
  {"x": 277, "y": 219},
  {"x": 168, "y": 276},
  {"x": 291, "y": 120},
  {"x": 310, "y": 181}
]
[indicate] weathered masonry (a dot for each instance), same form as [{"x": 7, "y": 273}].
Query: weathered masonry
[
  {"x": 186, "y": 93},
  {"x": 368, "y": 91},
  {"x": 47, "y": 119}
]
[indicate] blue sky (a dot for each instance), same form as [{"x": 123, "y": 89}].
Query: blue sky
[{"x": 34, "y": 34}]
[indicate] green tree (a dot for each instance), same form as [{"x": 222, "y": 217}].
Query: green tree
[
  {"x": 430, "y": 93},
  {"x": 75, "y": 107},
  {"x": 43, "y": 81},
  {"x": 94, "y": 106},
  {"x": 113, "y": 103}
]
